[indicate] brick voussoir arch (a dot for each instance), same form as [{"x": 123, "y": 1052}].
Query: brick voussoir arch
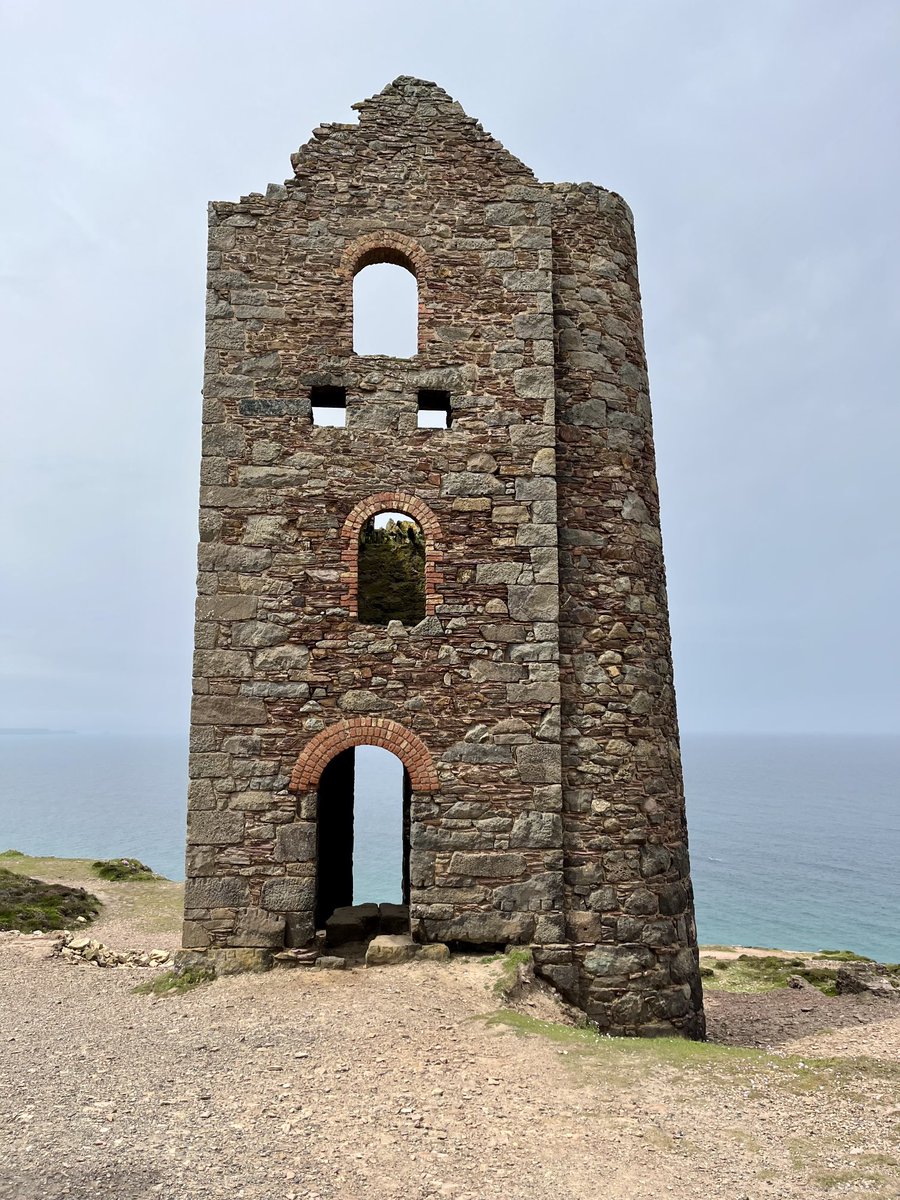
[
  {"x": 396, "y": 501},
  {"x": 385, "y": 245},
  {"x": 365, "y": 731},
  {"x": 388, "y": 246}
]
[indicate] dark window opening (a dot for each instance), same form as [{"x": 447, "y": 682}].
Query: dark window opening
[
  {"x": 362, "y": 848},
  {"x": 391, "y": 570},
  {"x": 434, "y": 409},
  {"x": 329, "y": 405}
]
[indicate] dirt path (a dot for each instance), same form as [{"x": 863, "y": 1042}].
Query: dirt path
[{"x": 390, "y": 1083}]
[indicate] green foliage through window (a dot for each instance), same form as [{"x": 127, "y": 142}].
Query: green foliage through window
[{"x": 391, "y": 573}]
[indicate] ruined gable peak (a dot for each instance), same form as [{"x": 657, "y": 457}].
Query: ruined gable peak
[{"x": 417, "y": 110}]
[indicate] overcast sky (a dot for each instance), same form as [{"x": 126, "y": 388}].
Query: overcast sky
[{"x": 757, "y": 144}]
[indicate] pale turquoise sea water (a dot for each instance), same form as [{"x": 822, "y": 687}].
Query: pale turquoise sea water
[{"x": 795, "y": 841}]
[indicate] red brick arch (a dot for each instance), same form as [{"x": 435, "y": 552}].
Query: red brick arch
[
  {"x": 404, "y": 502},
  {"x": 365, "y": 731},
  {"x": 385, "y": 245}
]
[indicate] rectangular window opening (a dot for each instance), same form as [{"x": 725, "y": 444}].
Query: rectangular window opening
[
  {"x": 329, "y": 405},
  {"x": 434, "y": 409}
]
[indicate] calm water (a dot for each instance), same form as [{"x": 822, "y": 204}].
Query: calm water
[{"x": 795, "y": 841}]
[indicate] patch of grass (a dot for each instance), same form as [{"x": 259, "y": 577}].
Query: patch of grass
[
  {"x": 843, "y": 956},
  {"x": 12, "y": 854},
  {"x": 753, "y": 973},
  {"x": 175, "y": 982},
  {"x": 756, "y": 1069},
  {"x": 855, "y": 1175},
  {"x": 30, "y": 904},
  {"x": 509, "y": 970},
  {"x": 121, "y": 870}
]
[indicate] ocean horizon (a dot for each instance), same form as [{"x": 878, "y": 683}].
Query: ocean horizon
[{"x": 795, "y": 839}]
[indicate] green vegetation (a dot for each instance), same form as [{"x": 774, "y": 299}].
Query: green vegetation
[
  {"x": 765, "y": 973},
  {"x": 12, "y": 854},
  {"x": 120, "y": 870},
  {"x": 757, "y": 1070},
  {"x": 510, "y": 962},
  {"x": 391, "y": 573},
  {"x": 175, "y": 982},
  {"x": 30, "y": 904},
  {"x": 843, "y": 956}
]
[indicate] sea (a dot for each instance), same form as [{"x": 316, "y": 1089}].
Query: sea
[{"x": 795, "y": 840}]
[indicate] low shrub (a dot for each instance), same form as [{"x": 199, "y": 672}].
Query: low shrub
[
  {"x": 120, "y": 870},
  {"x": 31, "y": 904}
]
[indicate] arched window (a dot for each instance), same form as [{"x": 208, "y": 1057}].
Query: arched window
[
  {"x": 386, "y": 308},
  {"x": 391, "y": 570}
]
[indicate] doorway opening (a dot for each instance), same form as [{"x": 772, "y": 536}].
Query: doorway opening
[{"x": 362, "y": 854}]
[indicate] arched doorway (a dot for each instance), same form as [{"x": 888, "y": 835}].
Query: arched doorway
[{"x": 363, "y": 811}]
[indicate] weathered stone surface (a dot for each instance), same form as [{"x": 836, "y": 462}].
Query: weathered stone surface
[
  {"x": 288, "y": 895},
  {"x": 331, "y": 962},
  {"x": 393, "y": 918},
  {"x": 256, "y": 927},
  {"x": 228, "y": 710},
  {"x": 217, "y": 892},
  {"x": 352, "y": 923},
  {"x": 296, "y": 842},
  {"x": 389, "y": 948},
  {"x": 532, "y": 705},
  {"x": 539, "y": 602},
  {"x": 215, "y": 828},
  {"x": 490, "y": 864},
  {"x": 433, "y": 952},
  {"x": 288, "y": 657},
  {"x": 534, "y": 830}
]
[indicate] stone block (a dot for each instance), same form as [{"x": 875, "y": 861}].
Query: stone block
[
  {"x": 220, "y": 891},
  {"x": 539, "y": 763},
  {"x": 256, "y": 927},
  {"x": 253, "y": 634},
  {"x": 288, "y": 657},
  {"x": 352, "y": 923},
  {"x": 296, "y": 842},
  {"x": 536, "y": 830},
  {"x": 387, "y": 949},
  {"x": 488, "y": 864},
  {"x": 471, "y": 483},
  {"x": 534, "y": 383},
  {"x": 288, "y": 895},
  {"x": 224, "y": 607},
  {"x": 215, "y": 828},
  {"x": 227, "y": 710},
  {"x": 433, "y": 952},
  {"x": 537, "y": 602},
  {"x": 393, "y": 918},
  {"x": 493, "y": 573}
]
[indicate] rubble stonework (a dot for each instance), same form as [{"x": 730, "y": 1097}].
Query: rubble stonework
[{"x": 533, "y": 706}]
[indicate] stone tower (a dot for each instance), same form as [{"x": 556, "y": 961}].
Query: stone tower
[{"x": 532, "y": 706}]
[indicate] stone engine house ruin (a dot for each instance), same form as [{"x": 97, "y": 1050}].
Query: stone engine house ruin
[{"x": 532, "y": 705}]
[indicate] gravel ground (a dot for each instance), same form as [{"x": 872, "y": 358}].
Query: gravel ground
[{"x": 388, "y": 1083}]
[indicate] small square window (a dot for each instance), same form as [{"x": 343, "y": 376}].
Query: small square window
[
  {"x": 434, "y": 409},
  {"x": 329, "y": 405}
]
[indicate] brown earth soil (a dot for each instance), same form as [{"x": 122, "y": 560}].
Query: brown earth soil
[{"x": 396, "y": 1082}]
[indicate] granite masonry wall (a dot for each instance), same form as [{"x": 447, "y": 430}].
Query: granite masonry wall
[{"x": 533, "y": 706}]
